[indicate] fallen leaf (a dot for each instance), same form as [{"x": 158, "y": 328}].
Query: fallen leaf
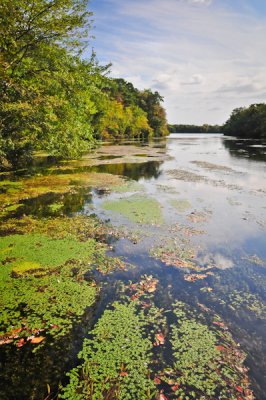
[
  {"x": 20, "y": 342},
  {"x": 37, "y": 339},
  {"x": 174, "y": 387},
  {"x": 163, "y": 397},
  {"x": 221, "y": 348},
  {"x": 160, "y": 339},
  {"x": 5, "y": 341},
  {"x": 157, "y": 381}
]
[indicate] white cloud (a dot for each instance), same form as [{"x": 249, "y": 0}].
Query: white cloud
[{"x": 199, "y": 58}]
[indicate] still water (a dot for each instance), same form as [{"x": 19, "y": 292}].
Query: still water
[{"x": 211, "y": 194}]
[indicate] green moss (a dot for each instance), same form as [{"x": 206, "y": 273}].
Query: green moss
[
  {"x": 115, "y": 361},
  {"x": 137, "y": 209}
]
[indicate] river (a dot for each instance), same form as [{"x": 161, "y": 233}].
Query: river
[{"x": 207, "y": 208}]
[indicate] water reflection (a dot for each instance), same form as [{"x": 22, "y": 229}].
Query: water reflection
[
  {"x": 245, "y": 148},
  {"x": 136, "y": 171}
]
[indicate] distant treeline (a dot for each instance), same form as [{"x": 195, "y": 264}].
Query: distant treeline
[
  {"x": 53, "y": 99},
  {"x": 247, "y": 122},
  {"x": 184, "y": 128}
]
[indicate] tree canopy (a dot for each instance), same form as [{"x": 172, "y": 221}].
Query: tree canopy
[
  {"x": 247, "y": 122},
  {"x": 52, "y": 98}
]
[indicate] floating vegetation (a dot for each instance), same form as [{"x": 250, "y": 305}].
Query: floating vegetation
[
  {"x": 55, "y": 183},
  {"x": 177, "y": 255},
  {"x": 208, "y": 363},
  {"x": 46, "y": 252},
  {"x": 199, "y": 216},
  {"x": 185, "y": 230},
  {"x": 212, "y": 167},
  {"x": 43, "y": 266},
  {"x": 124, "y": 357},
  {"x": 116, "y": 360},
  {"x": 238, "y": 300},
  {"x": 128, "y": 186},
  {"x": 183, "y": 175},
  {"x": 257, "y": 260},
  {"x": 180, "y": 205},
  {"x": 197, "y": 277},
  {"x": 137, "y": 208}
]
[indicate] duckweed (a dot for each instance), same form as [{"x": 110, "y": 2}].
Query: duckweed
[
  {"x": 138, "y": 209},
  {"x": 116, "y": 360}
]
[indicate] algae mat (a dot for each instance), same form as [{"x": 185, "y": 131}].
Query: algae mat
[{"x": 138, "y": 209}]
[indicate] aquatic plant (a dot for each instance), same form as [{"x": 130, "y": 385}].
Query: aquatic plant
[
  {"x": 116, "y": 360},
  {"x": 208, "y": 363},
  {"x": 137, "y": 208}
]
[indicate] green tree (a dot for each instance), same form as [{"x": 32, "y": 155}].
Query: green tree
[
  {"x": 247, "y": 122},
  {"x": 44, "y": 101}
]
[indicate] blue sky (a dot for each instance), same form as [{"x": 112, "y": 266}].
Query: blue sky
[{"x": 205, "y": 57}]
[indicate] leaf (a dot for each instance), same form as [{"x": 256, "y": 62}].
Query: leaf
[
  {"x": 21, "y": 342},
  {"x": 157, "y": 380},
  {"x": 163, "y": 397},
  {"x": 37, "y": 339},
  {"x": 160, "y": 339},
  {"x": 5, "y": 341}
]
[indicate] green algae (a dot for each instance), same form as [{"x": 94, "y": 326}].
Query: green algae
[
  {"x": 56, "y": 207},
  {"x": 138, "y": 209},
  {"x": 10, "y": 186},
  {"x": 180, "y": 205},
  {"x": 128, "y": 186},
  {"x": 14, "y": 192}
]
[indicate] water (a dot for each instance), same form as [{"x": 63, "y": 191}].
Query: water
[{"x": 221, "y": 185}]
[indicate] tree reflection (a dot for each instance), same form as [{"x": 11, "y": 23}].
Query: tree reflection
[{"x": 246, "y": 148}]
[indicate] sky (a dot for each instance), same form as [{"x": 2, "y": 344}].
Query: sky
[{"x": 205, "y": 57}]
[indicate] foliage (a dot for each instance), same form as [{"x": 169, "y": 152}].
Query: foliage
[
  {"x": 53, "y": 99},
  {"x": 115, "y": 360},
  {"x": 186, "y": 128},
  {"x": 247, "y": 122}
]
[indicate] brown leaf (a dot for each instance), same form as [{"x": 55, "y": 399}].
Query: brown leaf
[
  {"x": 21, "y": 342},
  {"x": 5, "y": 341},
  {"x": 37, "y": 339},
  {"x": 157, "y": 380},
  {"x": 160, "y": 338},
  {"x": 174, "y": 387}
]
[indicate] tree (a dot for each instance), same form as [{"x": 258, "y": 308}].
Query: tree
[
  {"x": 247, "y": 122},
  {"x": 44, "y": 101}
]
